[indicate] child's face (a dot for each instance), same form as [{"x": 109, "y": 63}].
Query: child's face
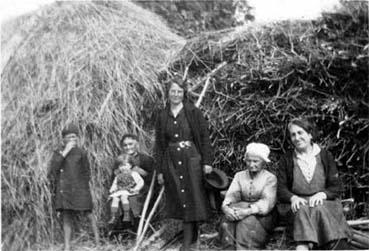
[
  {"x": 125, "y": 166},
  {"x": 71, "y": 137}
]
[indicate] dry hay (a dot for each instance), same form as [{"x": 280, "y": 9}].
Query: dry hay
[
  {"x": 275, "y": 72},
  {"x": 92, "y": 63}
]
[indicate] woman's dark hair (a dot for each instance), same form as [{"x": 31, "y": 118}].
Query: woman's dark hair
[
  {"x": 177, "y": 79},
  {"x": 305, "y": 124}
]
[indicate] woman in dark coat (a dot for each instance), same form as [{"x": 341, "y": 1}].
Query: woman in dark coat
[
  {"x": 309, "y": 185},
  {"x": 183, "y": 154}
]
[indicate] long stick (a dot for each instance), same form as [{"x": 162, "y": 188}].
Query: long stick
[
  {"x": 203, "y": 92},
  {"x": 146, "y": 205},
  {"x": 210, "y": 74},
  {"x": 148, "y": 219},
  {"x": 357, "y": 222}
]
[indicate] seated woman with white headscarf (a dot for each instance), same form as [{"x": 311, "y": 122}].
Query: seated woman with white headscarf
[{"x": 249, "y": 203}]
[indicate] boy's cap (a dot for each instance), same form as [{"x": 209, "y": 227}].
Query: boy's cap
[{"x": 71, "y": 128}]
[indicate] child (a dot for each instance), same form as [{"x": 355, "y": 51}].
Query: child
[
  {"x": 126, "y": 183},
  {"x": 69, "y": 174}
]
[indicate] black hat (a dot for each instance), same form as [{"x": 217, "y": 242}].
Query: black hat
[
  {"x": 217, "y": 179},
  {"x": 70, "y": 128}
]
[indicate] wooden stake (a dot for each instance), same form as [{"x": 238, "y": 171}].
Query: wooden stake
[
  {"x": 140, "y": 239},
  {"x": 146, "y": 205}
]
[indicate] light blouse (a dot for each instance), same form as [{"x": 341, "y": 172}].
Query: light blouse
[
  {"x": 260, "y": 191},
  {"x": 307, "y": 162}
]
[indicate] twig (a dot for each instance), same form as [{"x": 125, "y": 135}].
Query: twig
[
  {"x": 210, "y": 74},
  {"x": 357, "y": 222},
  {"x": 105, "y": 103},
  {"x": 203, "y": 92}
]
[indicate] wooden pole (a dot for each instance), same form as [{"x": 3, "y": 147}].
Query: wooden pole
[
  {"x": 140, "y": 239},
  {"x": 146, "y": 205},
  {"x": 357, "y": 222}
]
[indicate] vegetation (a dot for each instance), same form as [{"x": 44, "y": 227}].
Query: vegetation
[{"x": 97, "y": 64}]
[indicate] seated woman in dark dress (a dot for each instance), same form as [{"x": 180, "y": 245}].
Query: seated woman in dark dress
[{"x": 309, "y": 186}]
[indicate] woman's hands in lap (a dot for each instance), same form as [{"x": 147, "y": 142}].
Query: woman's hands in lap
[
  {"x": 296, "y": 202},
  {"x": 315, "y": 200}
]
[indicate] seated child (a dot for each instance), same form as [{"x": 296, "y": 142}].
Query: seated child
[{"x": 126, "y": 183}]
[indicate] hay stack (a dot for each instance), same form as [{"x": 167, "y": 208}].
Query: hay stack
[
  {"x": 278, "y": 71},
  {"x": 93, "y": 63}
]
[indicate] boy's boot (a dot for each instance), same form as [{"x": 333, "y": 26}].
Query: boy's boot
[{"x": 126, "y": 211}]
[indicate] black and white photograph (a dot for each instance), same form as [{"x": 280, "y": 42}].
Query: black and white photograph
[{"x": 184, "y": 125}]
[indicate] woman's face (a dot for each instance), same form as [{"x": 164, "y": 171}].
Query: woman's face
[
  {"x": 254, "y": 163},
  {"x": 300, "y": 138},
  {"x": 176, "y": 94}
]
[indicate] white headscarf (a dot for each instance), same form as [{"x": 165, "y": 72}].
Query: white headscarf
[{"x": 258, "y": 149}]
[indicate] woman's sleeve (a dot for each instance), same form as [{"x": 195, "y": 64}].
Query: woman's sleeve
[
  {"x": 139, "y": 181},
  {"x": 283, "y": 193},
  {"x": 333, "y": 187},
  {"x": 207, "y": 151},
  {"x": 233, "y": 193},
  {"x": 268, "y": 197}
]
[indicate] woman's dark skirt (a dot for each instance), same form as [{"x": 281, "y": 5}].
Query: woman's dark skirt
[
  {"x": 186, "y": 198},
  {"x": 252, "y": 232}
]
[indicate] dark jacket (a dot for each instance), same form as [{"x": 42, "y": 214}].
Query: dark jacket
[
  {"x": 69, "y": 178},
  {"x": 199, "y": 128},
  {"x": 285, "y": 176}
]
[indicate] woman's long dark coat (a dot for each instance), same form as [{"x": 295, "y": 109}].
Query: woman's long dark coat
[
  {"x": 198, "y": 208},
  {"x": 69, "y": 179}
]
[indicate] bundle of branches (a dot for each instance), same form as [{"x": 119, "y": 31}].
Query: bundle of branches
[
  {"x": 91, "y": 63},
  {"x": 275, "y": 72}
]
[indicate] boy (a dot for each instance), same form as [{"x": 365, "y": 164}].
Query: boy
[{"x": 69, "y": 174}]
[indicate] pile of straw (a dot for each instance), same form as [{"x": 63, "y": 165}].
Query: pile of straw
[
  {"x": 92, "y": 63},
  {"x": 275, "y": 72}
]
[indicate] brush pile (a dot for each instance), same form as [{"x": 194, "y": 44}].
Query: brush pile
[
  {"x": 275, "y": 72},
  {"x": 91, "y": 63}
]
